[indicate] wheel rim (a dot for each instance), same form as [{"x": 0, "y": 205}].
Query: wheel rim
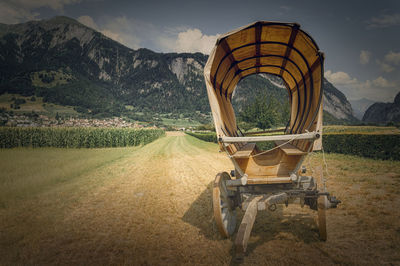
[{"x": 224, "y": 211}]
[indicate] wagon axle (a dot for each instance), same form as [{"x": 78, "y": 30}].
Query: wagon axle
[
  {"x": 229, "y": 195},
  {"x": 305, "y": 198}
]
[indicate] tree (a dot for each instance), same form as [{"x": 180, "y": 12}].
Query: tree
[
  {"x": 245, "y": 125},
  {"x": 262, "y": 113}
]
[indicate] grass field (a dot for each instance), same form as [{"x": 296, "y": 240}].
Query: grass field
[
  {"x": 181, "y": 122},
  {"x": 37, "y": 106},
  {"x": 151, "y": 205},
  {"x": 361, "y": 130},
  {"x": 59, "y": 77}
]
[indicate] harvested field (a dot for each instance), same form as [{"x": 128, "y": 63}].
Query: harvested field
[{"x": 152, "y": 205}]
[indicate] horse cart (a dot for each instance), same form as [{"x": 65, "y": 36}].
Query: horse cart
[{"x": 262, "y": 179}]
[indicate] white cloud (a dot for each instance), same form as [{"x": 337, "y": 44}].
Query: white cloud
[
  {"x": 379, "y": 89},
  {"x": 11, "y": 15},
  {"x": 129, "y": 32},
  {"x": 390, "y": 61},
  {"x": 383, "y": 83},
  {"x": 364, "y": 57},
  {"x": 17, "y": 11},
  {"x": 126, "y": 31},
  {"x": 393, "y": 58},
  {"x": 384, "y": 21},
  {"x": 187, "y": 40},
  {"x": 119, "y": 38},
  {"x": 340, "y": 78},
  {"x": 135, "y": 34},
  {"x": 385, "y": 67},
  {"x": 88, "y": 21},
  {"x": 193, "y": 40}
]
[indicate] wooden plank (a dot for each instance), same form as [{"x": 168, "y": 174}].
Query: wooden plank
[
  {"x": 310, "y": 136},
  {"x": 246, "y": 225},
  {"x": 289, "y": 149},
  {"x": 274, "y": 164},
  {"x": 268, "y": 180},
  {"x": 245, "y": 151},
  {"x": 293, "y": 34}
]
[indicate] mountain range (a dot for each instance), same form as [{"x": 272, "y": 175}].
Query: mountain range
[
  {"x": 68, "y": 63},
  {"x": 383, "y": 112}
]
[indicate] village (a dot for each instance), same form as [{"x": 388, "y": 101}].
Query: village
[{"x": 35, "y": 120}]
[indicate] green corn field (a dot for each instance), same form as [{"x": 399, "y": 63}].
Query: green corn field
[{"x": 76, "y": 137}]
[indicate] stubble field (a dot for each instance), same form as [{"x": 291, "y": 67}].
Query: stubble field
[{"x": 152, "y": 205}]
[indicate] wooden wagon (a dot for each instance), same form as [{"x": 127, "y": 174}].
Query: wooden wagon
[{"x": 262, "y": 179}]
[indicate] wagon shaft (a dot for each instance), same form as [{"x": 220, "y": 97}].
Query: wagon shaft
[{"x": 244, "y": 231}]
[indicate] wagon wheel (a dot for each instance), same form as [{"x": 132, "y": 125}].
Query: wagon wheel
[
  {"x": 322, "y": 203},
  {"x": 224, "y": 210}
]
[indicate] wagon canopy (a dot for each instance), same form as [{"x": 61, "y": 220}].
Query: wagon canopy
[{"x": 281, "y": 49}]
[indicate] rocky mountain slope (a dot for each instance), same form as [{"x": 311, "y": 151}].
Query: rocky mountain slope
[
  {"x": 336, "y": 103},
  {"x": 383, "y": 112},
  {"x": 70, "y": 64}
]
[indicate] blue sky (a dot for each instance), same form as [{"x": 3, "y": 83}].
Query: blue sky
[{"x": 360, "y": 39}]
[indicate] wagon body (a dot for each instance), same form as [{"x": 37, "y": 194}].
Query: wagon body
[
  {"x": 280, "y": 49},
  {"x": 262, "y": 179}
]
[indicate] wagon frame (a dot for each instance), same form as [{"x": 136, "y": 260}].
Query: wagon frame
[{"x": 262, "y": 179}]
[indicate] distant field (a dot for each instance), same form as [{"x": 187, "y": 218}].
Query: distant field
[
  {"x": 339, "y": 129},
  {"x": 379, "y": 130},
  {"x": 51, "y": 109},
  {"x": 38, "y": 106},
  {"x": 152, "y": 205},
  {"x": 181, "y": 122},
  {"x": 58, "y": 77}
]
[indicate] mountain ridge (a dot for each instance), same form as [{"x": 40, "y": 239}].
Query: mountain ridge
[
  {"x": 383, "y": 112},
  {"x": 69, "y": 63}
]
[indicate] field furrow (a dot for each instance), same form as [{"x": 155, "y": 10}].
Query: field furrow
[{"x": 153, "y": 205}]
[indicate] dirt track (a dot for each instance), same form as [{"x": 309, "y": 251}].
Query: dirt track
[{"x": 157, "y": 209}]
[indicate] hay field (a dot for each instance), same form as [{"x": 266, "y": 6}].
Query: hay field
[{"x": 152, "y": 205}]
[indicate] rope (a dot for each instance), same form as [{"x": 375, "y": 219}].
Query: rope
[
  {"x": 274, "y": 148},
  {"x": 324, "y": 179},
  {"x": 308, "y": 163}
]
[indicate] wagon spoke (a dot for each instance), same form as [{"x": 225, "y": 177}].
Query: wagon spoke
[{"x": 225, "y": 216}]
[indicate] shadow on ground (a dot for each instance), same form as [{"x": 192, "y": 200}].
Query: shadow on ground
[
  {"x": 200, "y": 214},
  {"x": 293, "y": 224}
]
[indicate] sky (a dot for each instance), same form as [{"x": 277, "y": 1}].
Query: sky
[{"x": 360, "y": 39}]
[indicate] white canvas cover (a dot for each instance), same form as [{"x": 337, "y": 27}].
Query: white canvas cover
[{"x": 276, "y": 48}]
